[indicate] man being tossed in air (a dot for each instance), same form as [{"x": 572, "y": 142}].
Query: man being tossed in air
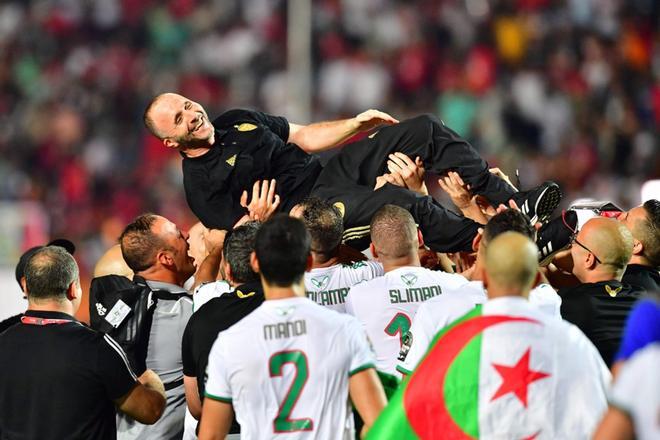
[{"x": 223, "y": 159}]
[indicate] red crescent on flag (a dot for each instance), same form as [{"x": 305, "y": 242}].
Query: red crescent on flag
[{"x": 423, "y": 398}]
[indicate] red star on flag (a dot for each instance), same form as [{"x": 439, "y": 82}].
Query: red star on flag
[{"x": 516, "y": 379}]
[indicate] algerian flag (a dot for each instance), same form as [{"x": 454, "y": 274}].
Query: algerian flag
[{"x": 494, "y": 375}]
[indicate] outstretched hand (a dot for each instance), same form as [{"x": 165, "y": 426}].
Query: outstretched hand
[
  {"x": 372, "y": 119},
  {"x": 264, "y": 201}
]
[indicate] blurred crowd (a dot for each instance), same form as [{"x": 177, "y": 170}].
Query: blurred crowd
[{"x": 567, "y": 90}]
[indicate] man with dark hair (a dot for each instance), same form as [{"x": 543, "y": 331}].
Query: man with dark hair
[
  {"x": 386, "y": 305},
  {"x": 600, "y": 304},
  {"x": 60, "y": 378},
  {"x": 437, "y": 313},
  {"x": 233, "y": 298},
  {"x": 329, "y": 280},
  {"x": 156, "y": 250},
  {"x": 20, "y": 274},
  {"x": 327, "y": 353},
  {"x": 221, "y": 160},
  {"x": 644, "y": 224}
]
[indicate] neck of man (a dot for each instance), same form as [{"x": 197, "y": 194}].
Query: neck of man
[
  {"x": 196, "y": 151},
  {"x": 272, "y": 292},
  {"x": 390, "y": 264},
  {"x": 495, "y": 291},
  {"x": 63, "y": 306},
  {"x": 640, "y": 260},
  {"x": 604, "y": 272},
  {"x": 322, "y": 260},
  {"x": 162, "y": 275}
]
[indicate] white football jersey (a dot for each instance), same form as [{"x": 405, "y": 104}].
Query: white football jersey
[
  {"x": 437, "y": 313},
  {"x": 207, "y": 291},
  {"x": 285, "y": 368},
  {"x": 386, "y": 306},
  {"x": 328, "y": 286}
]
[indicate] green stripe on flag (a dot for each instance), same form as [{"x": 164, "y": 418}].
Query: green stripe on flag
[
  {"x": 462, "y": 388},
  {"x": 392, "y": 423}
]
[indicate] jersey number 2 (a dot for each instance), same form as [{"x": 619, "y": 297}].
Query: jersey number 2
[
  {"x": 400, "y": 325},
  {"x": 282, "y": 422}
]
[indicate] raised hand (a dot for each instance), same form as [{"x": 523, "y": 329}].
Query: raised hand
[
  {"x": 458, "y": 191},
  {"x": 264, "y": 201}
]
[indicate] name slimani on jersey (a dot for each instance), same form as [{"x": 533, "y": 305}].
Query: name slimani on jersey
[
  {"x": 329, "y": 286},
  {"x": 387, "y": 305}
]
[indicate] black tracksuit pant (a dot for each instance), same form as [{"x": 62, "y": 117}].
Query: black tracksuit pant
[{"x": 350, "y": 176}]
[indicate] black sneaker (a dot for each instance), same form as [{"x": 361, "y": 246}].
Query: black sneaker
[
  {"x": 539, "y": 203},
  {"x": 556, "y": 236}
]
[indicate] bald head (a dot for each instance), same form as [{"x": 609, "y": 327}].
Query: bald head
[
  {"x": 393, "y": 232},
  {"x": 112, "y": 263},
  {"x": 609, "y": 240},
  {"x": 511, "y": 265}
]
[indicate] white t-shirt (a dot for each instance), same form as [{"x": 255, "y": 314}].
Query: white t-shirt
[
  {"x": 285, "y": 368},
  {"x": 207, "y": 291},
  {"x": 328, "y": 286},
  {"x": 437, "y": 313},
  {"x": 636, "y": 391},
  {"x": 386, "y": 306}
]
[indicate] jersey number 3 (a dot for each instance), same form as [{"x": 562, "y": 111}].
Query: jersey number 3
[
  {"x": 400, "y": 325},
  {"x": 283, "y": 422}
]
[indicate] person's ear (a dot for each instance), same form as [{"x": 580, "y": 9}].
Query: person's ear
[
  {"x": 73, "y": 291},
  {"x": 372, "y": 248},
  {"x": 484, "y": 277},
  {"x": 254, "y": 263},
  {"x": 420, "y": 238},
  {"x": 638, "y": 247},
  {"x": 169, "y": 143},
  {"x": 476, "y": 241},
  {"x": 165, "y": 258},
  {"x": 23, "y": 286},
  {"x": 310, "y": 263},
  {"x": 590, "y": 261}
]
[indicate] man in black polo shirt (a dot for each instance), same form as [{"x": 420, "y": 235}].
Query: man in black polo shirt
[
  {"x": 644, "y": 224},
  {"x": 600, "y": 305},
  {"x": 240, "y": 293},
  {"x": 223, "y": 159},
  {"x": 59, "y": 378}
]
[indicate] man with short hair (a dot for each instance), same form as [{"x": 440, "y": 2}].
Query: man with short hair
[
  {"x": 505, "y": 370},
  {"x": 233, "y": 298},
  {"x": 329, "y": 280},
  {"x": 222, "y": 159},
  {"x": 644, "y": 223},
  {"x": 20, "y": 274},
  {"x": 289, "y": 366},
  {"x": 387, "y": 305},
  {"x": 61, "y": 379},
  {"x": 156, "y": 250},
  {"x": 436, "y": 313},
  {"x": 601, "y": 303}
]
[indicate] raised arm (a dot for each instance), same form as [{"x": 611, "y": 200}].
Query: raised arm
[{"x": 321, "y": 136}]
